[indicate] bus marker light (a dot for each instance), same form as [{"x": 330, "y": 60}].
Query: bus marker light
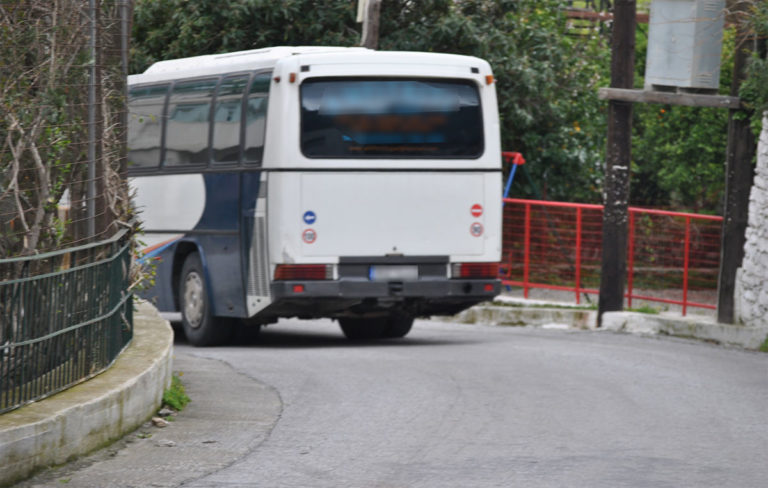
[
  {"x": 488, "y": 287},
  {"x": 298, "y": 288},
  {"x": 277, "y": 79},
  {"x": 292, "y": 77},
  {"x": 489, "y": 79}
]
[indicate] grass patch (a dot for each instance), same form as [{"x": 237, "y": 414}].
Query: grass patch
[
  {"x": 764, "y": 345},
  {"x": 175, "y": 396},
  {"x": 645, "y": 309}
]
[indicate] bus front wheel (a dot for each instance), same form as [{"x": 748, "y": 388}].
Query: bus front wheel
[{"x": 200, "y": 326}]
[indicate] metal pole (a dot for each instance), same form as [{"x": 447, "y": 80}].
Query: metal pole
[{"x": 91, "y": 186}]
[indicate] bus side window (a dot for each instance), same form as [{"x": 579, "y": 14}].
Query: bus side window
[
  {"x": 186, "y": 129},
  {"x": 145, "y": 106},
  {"x": 227, "y": 117},
  {"x": 256, "y": 118}
]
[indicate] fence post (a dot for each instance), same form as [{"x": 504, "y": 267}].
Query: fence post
[
  {"x": 631, "y": 257},
  {"x": 91, "y": 184},
  {"x": 685, "y": 264},
  {"x": 527, "y": 251},
  {"x": 578, "y": 255}
]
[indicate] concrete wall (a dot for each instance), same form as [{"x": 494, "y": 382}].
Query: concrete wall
[
  {"x": 94, "y": 413},
  {"x": 751, "y": 298}
]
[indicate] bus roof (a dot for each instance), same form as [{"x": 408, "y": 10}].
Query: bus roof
[
  {"x": 212, "y": 64},
  {"x": 265, "y": 56}
]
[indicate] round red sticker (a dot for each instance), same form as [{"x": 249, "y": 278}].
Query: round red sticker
[
  {"x": 477, "y": 210},
  {"x": 309, "y": 236},
  {"x": 476, "y": 229}
]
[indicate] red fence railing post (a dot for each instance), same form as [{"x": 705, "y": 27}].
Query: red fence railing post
[
  {"x": 578, "y": 255},
  {"x": 685, "y": 264},
  {"x": 631, "y": 258},
  {"x": 527, "y": 249}
]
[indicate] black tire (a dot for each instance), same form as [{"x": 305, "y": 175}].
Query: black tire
[
  {"x": 363, "y": 329},
  {"x": 246, "y": 333},
  {"x": 200, "y": 326},
  {"x": 398, "y": 326}
]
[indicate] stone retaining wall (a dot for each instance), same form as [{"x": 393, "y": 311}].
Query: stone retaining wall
[{"x": 751, "y": 298}]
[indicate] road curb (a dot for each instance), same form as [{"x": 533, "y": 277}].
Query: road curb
[
  {"x": 688, "y": 327},
  {"x": 557, "y": 316},
  {"x": 521, "y": 315},
  {"x": 95, "y": 413}
]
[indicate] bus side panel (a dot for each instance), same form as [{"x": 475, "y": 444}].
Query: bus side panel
[
  {"x": 224, "y": 273},
  {"x": 161, "y": 295},
  {"x": 255, "y": 263},
  {"x": 218, "y": 234},
  {"x": 201, "y": 209}
]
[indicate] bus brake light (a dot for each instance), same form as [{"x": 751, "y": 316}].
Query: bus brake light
[
  {"x": 475, "y": 270},
  {"x": 292, "y": 272}
]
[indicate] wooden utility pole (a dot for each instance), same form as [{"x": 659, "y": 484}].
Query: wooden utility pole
[
  {"x": 371, "y": 10},
  {"x": 618, "y": 159},
  {"x": 739, "y": 174}
]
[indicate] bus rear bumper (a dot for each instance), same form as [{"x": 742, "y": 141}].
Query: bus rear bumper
[{"x": 355, "y": 298}]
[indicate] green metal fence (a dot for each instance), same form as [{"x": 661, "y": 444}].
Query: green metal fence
[{"x": 64, "y": 317}]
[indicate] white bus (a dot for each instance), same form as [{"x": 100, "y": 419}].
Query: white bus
[{"x": 308, "y": 182}]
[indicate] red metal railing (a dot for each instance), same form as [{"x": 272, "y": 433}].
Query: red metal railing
[{"x": 672, "y": 257}]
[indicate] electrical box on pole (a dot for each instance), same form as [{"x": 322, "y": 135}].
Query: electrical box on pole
[{"x": 685, "y": 39}]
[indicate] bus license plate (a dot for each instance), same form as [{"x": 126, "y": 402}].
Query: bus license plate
[{"x": 393, "y": 273}]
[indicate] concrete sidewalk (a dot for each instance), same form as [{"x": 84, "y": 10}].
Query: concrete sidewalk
[
  {"x": 229, "y": 416},
  {"x": 94, "y": 413}
]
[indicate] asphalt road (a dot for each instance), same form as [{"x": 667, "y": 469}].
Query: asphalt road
[{"x": 471, "y": 406}]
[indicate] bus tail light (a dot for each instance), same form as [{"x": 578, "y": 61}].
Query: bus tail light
[
  {"x": 292, "y": 272},
  {"x": 475, "y": 270}
]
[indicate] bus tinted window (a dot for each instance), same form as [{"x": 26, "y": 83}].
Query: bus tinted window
[
  {"x": 144, "y": 125},
  {"x": 186, "y": 136},
  {"x": 380, "y": 118},
  {"x": 226, "y": 119},
  {"x": 256, "y": 118}
]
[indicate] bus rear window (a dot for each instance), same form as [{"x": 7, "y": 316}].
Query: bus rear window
[{"x": 390, "y": 118}]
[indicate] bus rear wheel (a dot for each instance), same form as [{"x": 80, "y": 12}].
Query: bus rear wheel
[
  {"x": 200, "y": 326},
  {"x": 363, "y": 329},
  {"x": 398, "y": 326}
]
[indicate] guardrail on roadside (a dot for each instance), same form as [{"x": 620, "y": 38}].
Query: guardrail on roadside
[
  {"x": 64, "y": 317},
  {"x": 557, "y": 246}
]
